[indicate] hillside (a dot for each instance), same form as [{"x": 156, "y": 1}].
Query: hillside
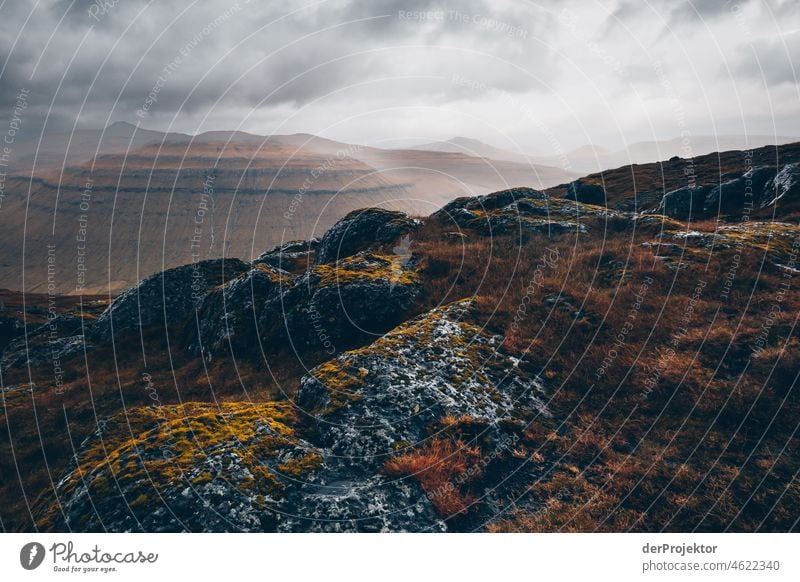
[
  {"x": 590, "y": 159},
  {"x": 718, "y": 180},
  {"x": 519, "y": 361}
]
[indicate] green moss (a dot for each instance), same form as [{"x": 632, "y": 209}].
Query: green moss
[
  {"x": 369, "y": 267},
  {"x": 159, "y": 446},
  {"x": 300, "y": 466},
  {"x": 274, "y": 275},
  {"x": 341, "y": 382}
]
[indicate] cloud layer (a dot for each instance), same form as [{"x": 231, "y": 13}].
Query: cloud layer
[{"x": 511, "y": 73}]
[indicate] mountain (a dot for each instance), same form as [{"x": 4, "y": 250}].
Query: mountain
[
  {"x": 53, "y": 151},
  {"x": 592, "y": 158},
  {"x": 141, "y": 201},
  {"x": 385, "y": 378},
  {"x": 473, "y": 147}
]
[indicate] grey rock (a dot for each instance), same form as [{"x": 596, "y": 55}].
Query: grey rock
[
  {"x": 166, "y": 298},
  {"x": 581, "y": 191},
  {"x": 361, "y": 230},
  {"x": 684, "y": 203}
]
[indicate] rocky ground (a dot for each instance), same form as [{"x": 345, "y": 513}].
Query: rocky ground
[{"x": 452, "y": 373}]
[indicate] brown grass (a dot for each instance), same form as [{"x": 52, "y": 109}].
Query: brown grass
[{"x": 443, "y": 467}]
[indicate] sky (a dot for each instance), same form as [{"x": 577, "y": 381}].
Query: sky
[{"x": 525, "y": 76}]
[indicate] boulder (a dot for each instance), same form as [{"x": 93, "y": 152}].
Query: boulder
[
  {"x": 294, "y": 256},
  {"x": 729, "y": 198},
  {"x": 684, "y": 203},
  {"x": 166, "y": 298},
  {"x": 585, "y": 192},
  {"x": 362, "y": 230}
]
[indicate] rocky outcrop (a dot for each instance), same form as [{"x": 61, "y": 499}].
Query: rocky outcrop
[
  {"x": 10, "y": 329},
  {"x": 519, "y": 210},
  {"x": 585, "y": 192},
  {"x": 319, "y": 466},
  {"x": 331, "y": 307},
  {"x": 785, "y": 183},
  {"x": 362, "y": 230},
  {"x": 374, "y": 407},
  {"x": 774, "y": 241},
  {"x": 196, "y": 467},
  {"x": 729, "y": 198},
  {"x": 362, "y": 296},
  {"x": 759, "y": 187},
  {"x": 294, "y": 256},
  {"x": 239, "y": 315},
  {"x": 366, "y": 402},
  {"x": 58, "y": 339},
  {"x": 166, "y": 298},
  {"x": 684, "y": 203}
]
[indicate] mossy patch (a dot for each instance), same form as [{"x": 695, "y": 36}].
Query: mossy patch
[
  {"x": 151, "y": 450},
  {"x": 366, "y": 267}
]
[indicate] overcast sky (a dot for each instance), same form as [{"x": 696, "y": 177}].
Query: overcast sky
[{"x": 519, "y": 75}]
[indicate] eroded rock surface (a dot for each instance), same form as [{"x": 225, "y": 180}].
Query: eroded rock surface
[
  {"x": 361, "y": 230},
  {"x": 165, "y": 298},
  {"x": 319, "y": 466},
  {"x": 520, "y": 210}
]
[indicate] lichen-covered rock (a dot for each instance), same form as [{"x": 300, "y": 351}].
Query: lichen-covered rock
[
  {"x": 520, "y": 210},
  {"x": 43, "y": 350},
  {"x": 166, "y": 298},
  {"x": 195, "y": 467},
  {"x": 361, "y": 230},
  {"x": 368, "y": 402},
  {"x": 61, "y": 337},
  {"x": 293, "y": 256}
]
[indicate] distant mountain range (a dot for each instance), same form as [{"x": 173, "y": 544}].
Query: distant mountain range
[
  {"x": 593, "y": 158},
  {"x": 118, "y": 204}
]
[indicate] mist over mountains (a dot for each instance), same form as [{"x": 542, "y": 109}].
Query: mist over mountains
[{"x": 114, "y": 206}]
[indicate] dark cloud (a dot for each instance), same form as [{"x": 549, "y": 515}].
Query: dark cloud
[
  {"x": 222, "y": 63},
  {"x": 190, "y": 57},
  {"x": 680, "y": 12},
  {"x": 773, "y": 61}
]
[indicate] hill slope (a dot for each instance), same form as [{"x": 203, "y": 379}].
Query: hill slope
[{"x": 514, "y": 362}]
